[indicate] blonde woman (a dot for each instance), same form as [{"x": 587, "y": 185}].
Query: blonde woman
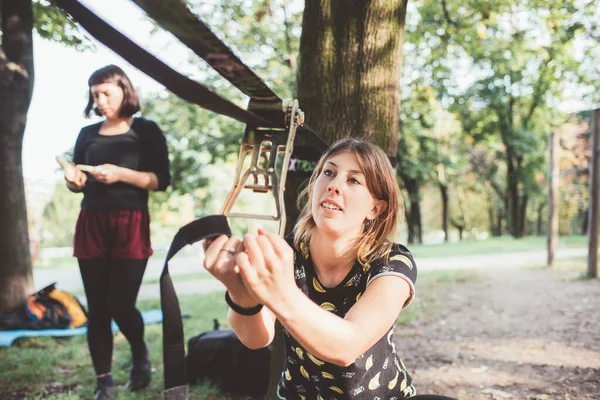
[{"x": 337, "y": 286}]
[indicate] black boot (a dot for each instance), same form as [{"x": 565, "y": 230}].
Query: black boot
[
  {"x": 104, "y": 392},
  {"x": 140, "y": 372}
]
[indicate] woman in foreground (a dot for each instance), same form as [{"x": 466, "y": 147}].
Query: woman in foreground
[{"x": 337, "y": 286}]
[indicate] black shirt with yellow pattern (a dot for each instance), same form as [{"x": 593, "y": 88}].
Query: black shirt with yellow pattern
[{"x": 378, "y": 373}]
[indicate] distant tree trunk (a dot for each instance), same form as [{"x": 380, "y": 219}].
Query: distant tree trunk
[
  {"x": 460, "y": 227},
  {"x": 522, "y": 226},
  {"x": 499, "y": 220},
  {"x": 540, "y": 219},
  {"x": 414, "y": 211},
  {"x": 513, "y": 206},
  {"x": 584, "y": 225},
  {"x": 348, "y": 85},
  {"x": 492, "y": 220},
  {"x": 16, "y": 87},
  {"x": 445, "y": 214}
]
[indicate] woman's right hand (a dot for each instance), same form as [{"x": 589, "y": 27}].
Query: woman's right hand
[
  {"x": 219, "y": 260},
  {"x": 75, "y": 178}
]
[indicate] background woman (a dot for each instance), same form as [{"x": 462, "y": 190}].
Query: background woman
[{"x": 112, "y": 236}]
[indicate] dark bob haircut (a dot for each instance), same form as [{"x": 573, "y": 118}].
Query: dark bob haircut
[{"x": 113, "y": 74}]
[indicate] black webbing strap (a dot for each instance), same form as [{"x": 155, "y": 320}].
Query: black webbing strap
[
  {"x": 312, "y": 138},
  {"x": 177, "y": 83},
  {"x": 176, "y": 17},
  {"x": 175, "y": 375}
]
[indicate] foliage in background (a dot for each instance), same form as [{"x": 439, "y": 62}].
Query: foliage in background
[
  {"x": 488, "y": 66},
  {"x": 503, "y": 70},
  {"x": 59, "y": 217}
]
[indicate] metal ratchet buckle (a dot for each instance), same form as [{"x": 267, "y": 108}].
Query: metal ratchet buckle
[{"x": 266, "y": 145}]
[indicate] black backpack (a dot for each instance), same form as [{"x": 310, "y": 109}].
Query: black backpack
[
  {"x": 48, "y": 308},
  {"x": 220, "y": 357}
]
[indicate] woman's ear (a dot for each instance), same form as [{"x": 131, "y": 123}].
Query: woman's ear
[{"x": 379, "y": 207}]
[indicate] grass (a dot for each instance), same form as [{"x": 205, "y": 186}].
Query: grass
[
  {"x": 60, "y": 368},
  {"x": 493, "y": 245}
]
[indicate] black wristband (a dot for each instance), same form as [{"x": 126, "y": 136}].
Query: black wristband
[{"x": 242, "y": 310}]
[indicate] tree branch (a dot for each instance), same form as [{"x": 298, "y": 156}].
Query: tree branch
[{"x": 449, "y": 20}]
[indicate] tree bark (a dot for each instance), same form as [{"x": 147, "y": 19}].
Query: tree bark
[
  {"x": 522, "y": 227},
  {"x": 413, "y": 219},
  {"x": 499, "y": 219},
  {"x": 445, "y": 214},
  {"x": 348, "y": 85},
  {"x": 540, "y": 219},
  {"x": 492, "y": 222},
  {"x": 16, "y": 87}
]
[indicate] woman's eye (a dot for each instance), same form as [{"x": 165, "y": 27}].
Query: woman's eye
[
  {"x": 354, "y": 181},
  {"x": 327, "y": 172}
]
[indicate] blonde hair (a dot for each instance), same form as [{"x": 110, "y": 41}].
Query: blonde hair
[{"x": 380, "y": 178}]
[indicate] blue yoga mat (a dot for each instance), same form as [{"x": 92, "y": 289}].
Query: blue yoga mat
[{"x": 8, "y": 337}]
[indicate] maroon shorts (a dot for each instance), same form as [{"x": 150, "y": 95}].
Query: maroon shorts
[{"x": 118, "y": 234}]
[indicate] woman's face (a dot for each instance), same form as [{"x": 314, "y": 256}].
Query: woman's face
[
  {"x": 341, "y": 200},
  {"x": 108, "y": 98}
]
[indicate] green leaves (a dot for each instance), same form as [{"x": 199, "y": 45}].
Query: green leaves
[{"x": 51, "y": 23}]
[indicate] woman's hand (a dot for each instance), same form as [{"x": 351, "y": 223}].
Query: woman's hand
[
  {"x": 267, "y": 268},
  {"x": 107, "y": 173},
  {"x": 220, "y": 260},
  {"x": 75, "y": 178}
]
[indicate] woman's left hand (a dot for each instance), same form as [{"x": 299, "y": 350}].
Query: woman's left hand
[
  {"x": 107, "y": 173},
  {"x": 267, "y": 268}
]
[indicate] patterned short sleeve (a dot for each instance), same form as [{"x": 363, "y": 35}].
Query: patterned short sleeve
[{"x": 400, "y": 263}]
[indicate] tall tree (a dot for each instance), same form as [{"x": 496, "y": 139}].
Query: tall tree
[
  {"x": 349, "y": 73},
  {"x": 18, "y": 19},
  {"x": 348, "y": 83},
  {"x": 16, "y": 88}
]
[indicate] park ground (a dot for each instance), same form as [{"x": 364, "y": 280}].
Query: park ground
[{"x": 485, "y": 325}]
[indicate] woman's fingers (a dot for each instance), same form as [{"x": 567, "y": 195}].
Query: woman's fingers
[
  {"x": 255, "y": 254},
  {"x": 247, "y": 271},
  {"x": 206, "y": 243},
  {"x": 267, "y": 251},
  {"x": 281, "y": 248},
  {"x": 213, "y": 250}
]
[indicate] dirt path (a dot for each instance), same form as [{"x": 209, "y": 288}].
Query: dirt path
[{"x": 516, "y": 334}]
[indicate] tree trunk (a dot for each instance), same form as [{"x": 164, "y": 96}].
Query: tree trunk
[
  {"x": 513, "y": 215},
  {"x": 540, "y": 220},
  {"x": 414, "y": 211},
  {"x": 500, "y": 218},
  {"x": 491, "y": 218},
  {"x": 522, "y": 227},
  {"x": 418, "y": 221},
  {"x": 348, "y": 84},
  {"x": 414, "y": 225},
  {"x": 16, "y": 87},
  {"x": 445, "y": 216}
]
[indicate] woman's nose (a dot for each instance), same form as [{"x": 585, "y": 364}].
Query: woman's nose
[{"x": 333, "y": 188}]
